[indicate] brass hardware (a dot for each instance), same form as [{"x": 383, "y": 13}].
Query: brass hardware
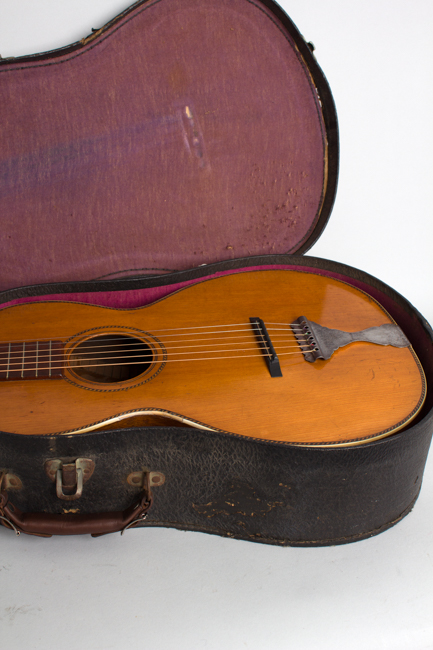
[
  {"x": 69, "y": 476},
  {"x": 139, "y": 479},
  {"x": 145, "y": 480},
  {"x": 10, "y": 482}
]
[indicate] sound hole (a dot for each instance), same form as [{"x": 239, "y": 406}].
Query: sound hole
[{"x": 111, "y": 358}]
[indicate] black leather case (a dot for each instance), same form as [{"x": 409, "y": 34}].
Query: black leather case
[{"x": 223, "y": 484}]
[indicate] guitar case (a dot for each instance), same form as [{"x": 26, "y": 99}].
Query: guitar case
[{"x": 183, "y": 141}]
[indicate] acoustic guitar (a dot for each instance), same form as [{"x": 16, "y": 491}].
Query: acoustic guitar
[{"x": 287, "y": 356}]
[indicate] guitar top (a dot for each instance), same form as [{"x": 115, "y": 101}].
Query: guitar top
[{"x": 284, "y": 356}]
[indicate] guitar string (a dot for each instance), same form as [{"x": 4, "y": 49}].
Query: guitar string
[
  {"x": 11, "y": 353},
  {"x": 166, "y": 343},
  {"x": 99, "y": 340},
  {"x": 252, "y": 328},
  {"x": 24, "y": 361},
  {"x": 102, "y": 349},
  {"x": 288, "y": 327},
  {"x": 96, "y": 365},
  {"x": 24, "y": 364}
]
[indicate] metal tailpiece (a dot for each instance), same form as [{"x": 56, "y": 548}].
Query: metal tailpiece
[{"x": 318, "y": 342}]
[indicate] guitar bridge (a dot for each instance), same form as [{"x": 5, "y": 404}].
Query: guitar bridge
[{"x": 265, "y": 343}]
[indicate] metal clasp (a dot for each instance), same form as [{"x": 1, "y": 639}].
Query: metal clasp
[{"x": 69, "y": 476}]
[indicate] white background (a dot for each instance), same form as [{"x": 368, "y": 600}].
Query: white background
[{"x": 164, "y": 589}]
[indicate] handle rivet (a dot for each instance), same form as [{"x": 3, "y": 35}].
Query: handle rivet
[{"x": 144, "y": 477}]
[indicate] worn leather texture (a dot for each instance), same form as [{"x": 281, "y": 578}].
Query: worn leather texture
[
  {"x": 231, "y": 486},
  {"x": 240, "y": 487}
]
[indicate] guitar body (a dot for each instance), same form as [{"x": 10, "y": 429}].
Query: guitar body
[{"x": 204, "y": 365}]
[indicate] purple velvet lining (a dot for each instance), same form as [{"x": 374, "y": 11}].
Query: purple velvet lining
[
  {"x": 140, "y": 297},
  {"x": 189, "y": 132},
  {"x": 135, "y": 297}
]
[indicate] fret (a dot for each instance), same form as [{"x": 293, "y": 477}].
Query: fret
[
  {"x": 9, "y": 360},
  {"x": 24, "y": 356},
  {"x": 31, "y": 360}
]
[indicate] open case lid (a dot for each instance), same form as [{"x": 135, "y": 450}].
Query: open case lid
[{"x": 182, "y": 133}]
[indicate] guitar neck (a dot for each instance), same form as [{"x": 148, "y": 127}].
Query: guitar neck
[{"x": 31, "y": 360}]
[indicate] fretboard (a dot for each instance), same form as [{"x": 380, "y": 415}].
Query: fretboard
[{"x": 31, "y": 360}]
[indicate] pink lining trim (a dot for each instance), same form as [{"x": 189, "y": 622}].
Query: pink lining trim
[{"x": 132, "y": 298}]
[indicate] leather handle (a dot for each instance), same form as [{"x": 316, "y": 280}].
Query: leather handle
[{"x": 46, "y": 525}]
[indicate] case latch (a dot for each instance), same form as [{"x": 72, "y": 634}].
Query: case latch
[{"x": 69, "y": 476}]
